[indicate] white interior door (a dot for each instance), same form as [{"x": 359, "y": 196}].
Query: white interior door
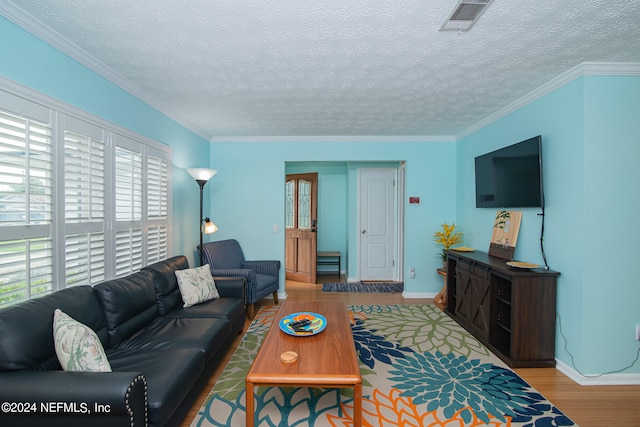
[{"x": 377, "y": 193}]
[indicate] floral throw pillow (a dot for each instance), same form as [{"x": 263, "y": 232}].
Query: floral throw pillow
[
  {"x": 77, "y": 346},
  {"x": 196, "y": 285}
]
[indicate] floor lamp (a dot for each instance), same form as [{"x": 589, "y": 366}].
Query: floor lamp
[{"x": 202, "y": 176}]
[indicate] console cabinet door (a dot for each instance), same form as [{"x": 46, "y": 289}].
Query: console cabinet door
[{"x": 472, "y": 301}]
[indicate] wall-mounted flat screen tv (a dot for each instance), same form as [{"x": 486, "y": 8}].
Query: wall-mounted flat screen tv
[{"x": 511, "y": 177}]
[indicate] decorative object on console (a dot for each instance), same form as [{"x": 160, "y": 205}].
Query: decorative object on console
[
  {"x": 463, "y": 249},
  {"x": 521, "y": 264},
  {"x": 202, "y": 176},
  {"x": 447, "y": 238},
  {"x": 506, "y": 227}
]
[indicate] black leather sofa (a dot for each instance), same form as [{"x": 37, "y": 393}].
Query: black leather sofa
[{"x": 161, "y": 354}]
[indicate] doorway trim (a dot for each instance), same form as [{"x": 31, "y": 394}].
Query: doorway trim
[{"x": 350, "y": 264}]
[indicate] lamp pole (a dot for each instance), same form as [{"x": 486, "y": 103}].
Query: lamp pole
[
  {"x": 202, "y": 176},
  {"x": 201, "y": 183}
]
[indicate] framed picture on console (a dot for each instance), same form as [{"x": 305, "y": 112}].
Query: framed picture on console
[{"x": 506, "y": 227}]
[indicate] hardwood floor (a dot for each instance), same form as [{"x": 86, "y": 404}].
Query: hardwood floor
[{"x": 588, "y": 406}]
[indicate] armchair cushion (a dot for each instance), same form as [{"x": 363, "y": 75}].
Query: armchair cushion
[{"x": 264, "y": 282}]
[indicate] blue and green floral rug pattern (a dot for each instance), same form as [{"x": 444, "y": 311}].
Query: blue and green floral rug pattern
[{"x": 419, "y": 368}]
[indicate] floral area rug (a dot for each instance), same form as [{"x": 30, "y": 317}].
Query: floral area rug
[{"x": 418, "y": 366}]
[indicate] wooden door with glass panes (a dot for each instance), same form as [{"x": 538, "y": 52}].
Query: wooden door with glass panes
[{"x": 301, "y": 227}]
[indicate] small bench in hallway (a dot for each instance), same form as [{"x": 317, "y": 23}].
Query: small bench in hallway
[{"x": 329, "y": 258}]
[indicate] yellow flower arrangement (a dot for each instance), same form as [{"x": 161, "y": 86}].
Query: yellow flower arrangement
[{"x": 447, "y": 238}]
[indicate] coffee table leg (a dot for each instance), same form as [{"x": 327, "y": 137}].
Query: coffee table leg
[
  {"x": 357, "y": 405},
  {"x": 249, "y": 404}
]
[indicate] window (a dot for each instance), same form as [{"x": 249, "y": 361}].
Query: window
[
  {"x": 81, "y": 200},
  {"x": 26, "y": 204}
]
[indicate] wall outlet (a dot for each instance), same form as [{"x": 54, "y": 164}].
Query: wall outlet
[{"x": 637, "y": 332}]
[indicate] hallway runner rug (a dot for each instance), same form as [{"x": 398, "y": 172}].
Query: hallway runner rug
[
  {"x": 363, "y": 287},
  {"x": 418, "y": 366}
]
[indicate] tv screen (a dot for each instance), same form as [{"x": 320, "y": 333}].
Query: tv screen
[{"x": 511, "y": 177}]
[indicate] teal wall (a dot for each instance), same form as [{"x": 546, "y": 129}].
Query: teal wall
[
  {"x": 24, "y": 61},
  {"x": 591, "y": 146},
  {"x": 611, "y": 206},
  {"x": 591, "y": 149},
  {"x": 248, "y": 195}
]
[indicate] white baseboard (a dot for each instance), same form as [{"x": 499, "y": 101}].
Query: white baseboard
[
  {"x": 419, "y": 294},
  {"x": 605, "y": 379}
]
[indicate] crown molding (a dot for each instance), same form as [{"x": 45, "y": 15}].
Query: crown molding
[
  {"x": 580, "y": 70},
  {"x": 45, "y": 33},
  {"x": 610, "y": 68},
  {"x": 345, "y": 138}
]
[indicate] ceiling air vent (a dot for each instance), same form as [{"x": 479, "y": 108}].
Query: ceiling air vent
[{"x": 465, "y": 14}]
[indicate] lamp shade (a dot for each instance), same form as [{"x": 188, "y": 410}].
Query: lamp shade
[
  {"x": 209, "y": 227},
  {"x": 201, "y": 174}
]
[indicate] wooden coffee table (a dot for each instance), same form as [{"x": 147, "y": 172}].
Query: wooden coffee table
[{"x": 325, "y": 360}]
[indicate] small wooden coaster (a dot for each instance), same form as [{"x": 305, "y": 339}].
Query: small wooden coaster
[{"x": 289, "y": 356}]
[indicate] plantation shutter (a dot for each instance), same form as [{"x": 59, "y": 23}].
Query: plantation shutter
[
  {"x": 26, "y": 200},
  {"x": 157, "y": 206},
  {"x": 128, "y": 206},
  {"x": 81, "y": 200},
  {"x": 84, "y": 197}
]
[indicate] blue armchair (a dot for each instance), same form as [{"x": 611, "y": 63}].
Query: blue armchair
[{"x": 225, "y": 258}]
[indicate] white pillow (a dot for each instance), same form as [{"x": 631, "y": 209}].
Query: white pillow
[
  {"x": 196, "y": 285},
  {"x": 77, "y": 346}
]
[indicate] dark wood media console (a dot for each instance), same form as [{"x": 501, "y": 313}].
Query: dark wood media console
[{"x": 510, "y": 310}]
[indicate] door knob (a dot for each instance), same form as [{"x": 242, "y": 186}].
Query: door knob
[{"x": 364, "y": 231}]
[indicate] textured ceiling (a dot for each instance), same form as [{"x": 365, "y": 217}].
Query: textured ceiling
[{"x": 322, "y": 68}]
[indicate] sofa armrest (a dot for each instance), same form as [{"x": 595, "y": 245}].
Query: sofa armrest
[
  {"x": 270, "y": 268},
  {"x": 231, "y": 287},
  {"x": 58, "y": 398}
]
